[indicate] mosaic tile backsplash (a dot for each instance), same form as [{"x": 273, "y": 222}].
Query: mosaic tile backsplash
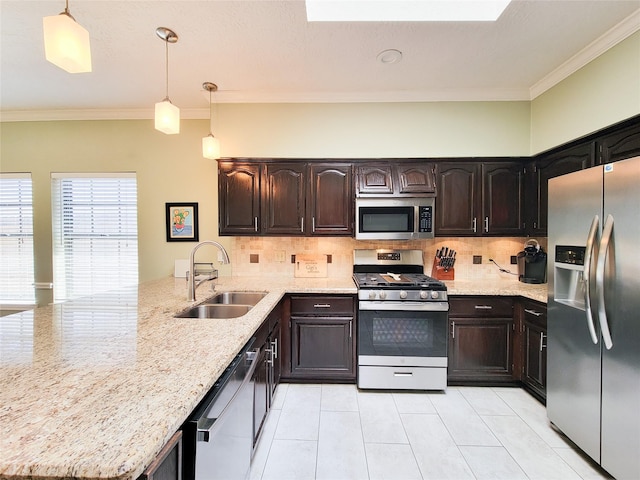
[{"x": 271, "y": 256}]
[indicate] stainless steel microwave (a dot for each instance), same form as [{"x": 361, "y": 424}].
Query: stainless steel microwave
[{"x": 395, "y": 218}]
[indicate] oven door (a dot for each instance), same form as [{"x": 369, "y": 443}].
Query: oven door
[{"x": 418, "y": 335}]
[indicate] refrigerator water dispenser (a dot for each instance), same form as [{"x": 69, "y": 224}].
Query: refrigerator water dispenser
[{"x": 568, "y": 272}]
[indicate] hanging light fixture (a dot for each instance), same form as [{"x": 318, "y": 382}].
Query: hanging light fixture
[
  {"x": 210, "y": 144},
  {"x": 167, "y": 115},
  {"x": 66, "y": 42}
]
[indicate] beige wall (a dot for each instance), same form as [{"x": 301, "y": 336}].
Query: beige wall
[{"x": 603, "y": 92}]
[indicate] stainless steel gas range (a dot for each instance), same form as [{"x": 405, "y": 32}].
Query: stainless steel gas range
[{"x": 402, "y": 322}]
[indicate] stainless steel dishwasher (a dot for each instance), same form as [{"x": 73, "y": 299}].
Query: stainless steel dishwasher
[{"x": 218, "y": 437}]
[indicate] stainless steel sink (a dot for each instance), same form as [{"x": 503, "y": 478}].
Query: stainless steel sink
[
  {"x": 237, "y": 298},
  {"x": 218, "y": 310}
]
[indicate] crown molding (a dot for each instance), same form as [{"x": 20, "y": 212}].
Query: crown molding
[{"x": 609, "y": 39}]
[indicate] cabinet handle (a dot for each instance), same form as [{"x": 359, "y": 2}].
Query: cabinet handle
[
  {"x": 453, "y": 329},
  {"x": 274, "y": 348},
  {"x": 486, "y": 224},
  {"x": 255, "y": 223},
  {"x": 483, "y": 307},
  {"x": 269, "y": 353},
  {"x": 350, "y": 329},
  {"x": 322, "y": 305},
  {"x": 532, "y": 312},
  {"x": 475, "y": 225},
  {"x": 313, "y": 224},
  {"x": 535, "y": 224},
  {"x": 542, "y": 344}
]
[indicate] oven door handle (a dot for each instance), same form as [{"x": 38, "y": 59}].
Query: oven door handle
[{"x": 405, "y": 306}]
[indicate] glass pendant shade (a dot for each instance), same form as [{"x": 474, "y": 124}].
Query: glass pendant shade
[
  {"x": 66, "y": 43},
  {"x": 167, "y": 117},
  {"x": 210, "y": 147}
]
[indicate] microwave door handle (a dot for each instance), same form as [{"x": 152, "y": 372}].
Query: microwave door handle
[
  {"x": 586, "y": 276},
  {"x": 607, "y": 232}
]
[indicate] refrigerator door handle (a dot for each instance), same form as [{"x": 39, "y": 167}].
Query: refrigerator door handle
[
  {"x": 586, "y": 277},
  {"x": 607, "y": 231}
]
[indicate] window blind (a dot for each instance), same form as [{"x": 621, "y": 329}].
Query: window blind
[
  {"x": 95, "y": 233},
  {"x": 16, "y": 240}
]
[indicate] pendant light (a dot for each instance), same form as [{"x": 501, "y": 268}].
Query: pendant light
[
  {"x": 66, "y": 42},
  {"x": 210, "y": 144},
  {"x": 167, "y": 115}
]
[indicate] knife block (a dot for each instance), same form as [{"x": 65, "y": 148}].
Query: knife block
[{"x": 439, "y": 273}]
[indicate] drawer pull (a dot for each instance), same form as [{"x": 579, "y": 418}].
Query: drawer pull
[
  {"x": 483, "y": 307},
  {"x": 322, "y": 305},
  {"x": 532, "y": 312},
  {"x": 402, "y": 374}
]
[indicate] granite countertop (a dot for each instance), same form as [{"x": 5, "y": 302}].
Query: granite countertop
[{"x": 95, "y": 387}]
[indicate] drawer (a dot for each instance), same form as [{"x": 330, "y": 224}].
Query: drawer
[
  {"x": 402, "y": 378},
  {"x": 322, "y": 305},
  {"x": 535, "y": 313},
  {"x": 481, "y": 306}
]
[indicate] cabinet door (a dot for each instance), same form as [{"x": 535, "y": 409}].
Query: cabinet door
[
  {"x": 457, "y": 200},
  {"x": 260, "y": 392},
  {"x": 322, "y": 348},
  {"x": 414, "y": 179},
  {"x": 275, "y": 340},
  {"x": 566, "y": 161},
  {"x": 375, "y": 179},
  {"x": 619, "y": 146},
  {"x": 535, "y": 372},
  {"x": 283, "y": 198},
  {"x": 330, "y": 199},
  {"x": 503, "y": 198},
  {"x": 168, "y": 463},
  {"x": 239, "y": 199},
  {"x": 480, "y": 349}
]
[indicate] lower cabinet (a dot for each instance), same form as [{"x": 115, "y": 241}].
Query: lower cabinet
[
  {"x": 481, "y": 340},
  {"x": 321, "y": 344},
  {"x": 533, "y": 326},
  {"x": 168, "y": 463}
]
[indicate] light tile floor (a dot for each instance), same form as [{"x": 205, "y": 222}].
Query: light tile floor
[{"x": 335, "y": 432}]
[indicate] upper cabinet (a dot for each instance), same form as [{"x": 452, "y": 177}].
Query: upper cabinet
[
  {"x": 549, "y": 166},
  {"x": 397, "y": 178},
  {"x": 285, "y": 198},
  {"x": 620, "y": 145},
  {"x": 480, "y": 198}
]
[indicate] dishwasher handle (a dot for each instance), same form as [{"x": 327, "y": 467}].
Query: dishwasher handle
[{"x": 207, "y": 426}]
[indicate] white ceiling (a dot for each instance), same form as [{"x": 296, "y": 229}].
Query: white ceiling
[{"x": 265, "y": 51}]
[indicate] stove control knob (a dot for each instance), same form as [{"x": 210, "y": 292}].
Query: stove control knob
[
  {"x": 383, "y": 295},
  {"x": 434, "y": 294},
  {"x": 372, "y": 295},
  {"x": 403, "y": 294},
  {"x": 424, "y": 295}
]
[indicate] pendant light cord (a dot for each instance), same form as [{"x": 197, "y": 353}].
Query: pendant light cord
[
  {"x": 210, "y": 115},
  {"x": 166, "y": 45}
]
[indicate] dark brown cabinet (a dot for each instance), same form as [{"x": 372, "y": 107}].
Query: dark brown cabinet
[
  {"x": 322, "y": 338},
  {"x": 168, "y": 463},
  {"x": 620, "y": 145},
  {"x": 546, "y": 167},
  {"x": 533, "y": 317},
  {"x": 330, "y": 199},
  {"x": 480, "y": 340},
  {"x": 239, "y": 198},
  {"x": 396, "y": 177},
  {"x": 285, "y": 198},
  {"x": 480, "y": 199}
]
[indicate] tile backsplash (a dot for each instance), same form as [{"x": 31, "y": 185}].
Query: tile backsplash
[{"x": 272, "y": 256}]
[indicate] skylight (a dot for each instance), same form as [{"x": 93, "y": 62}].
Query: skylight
[{"x": 405, "y": 10}]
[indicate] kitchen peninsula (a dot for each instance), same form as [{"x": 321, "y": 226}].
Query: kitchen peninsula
[{"x": 95, "y": 387}]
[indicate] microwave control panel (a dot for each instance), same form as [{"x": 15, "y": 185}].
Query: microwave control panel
[{"x": 425, "y": 219}]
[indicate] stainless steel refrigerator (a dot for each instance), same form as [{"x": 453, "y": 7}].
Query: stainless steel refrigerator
[{"x": 593, "y": 369}]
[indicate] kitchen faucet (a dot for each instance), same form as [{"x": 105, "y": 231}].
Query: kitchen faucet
[{"x": 191, "y": 281}]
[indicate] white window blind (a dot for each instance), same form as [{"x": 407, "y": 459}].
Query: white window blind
[
  {"x": 16, "y": 240},
  {"x": 95, "y": 233}
]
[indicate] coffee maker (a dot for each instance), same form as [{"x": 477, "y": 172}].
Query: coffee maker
[{"x": 532, "y": 263}]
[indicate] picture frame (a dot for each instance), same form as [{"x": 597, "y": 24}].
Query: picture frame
[{"x": 182, "y": 221}]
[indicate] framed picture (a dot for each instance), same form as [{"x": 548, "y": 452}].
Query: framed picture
[{"x": 182, "y": 222}]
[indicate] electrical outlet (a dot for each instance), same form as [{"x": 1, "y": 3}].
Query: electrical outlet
[
  {"x": 514, "y": 260},
  {"x": 477, "y": 259}
]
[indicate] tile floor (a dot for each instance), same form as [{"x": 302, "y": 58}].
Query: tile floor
[{"x": 335, "y": 432}]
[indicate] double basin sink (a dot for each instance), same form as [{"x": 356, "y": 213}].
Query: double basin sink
[{"x": 224, "y": 305}]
